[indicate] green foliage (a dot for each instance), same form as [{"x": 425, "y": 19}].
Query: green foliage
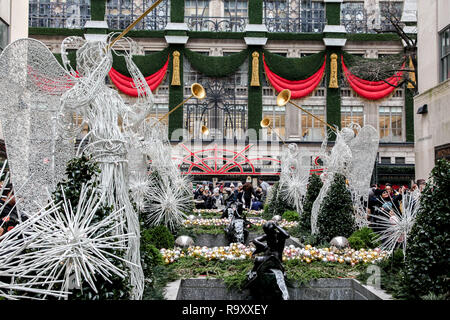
[
  {"x": 216, "y": 66},
  {"x": 177, "y": 11},
  {"x": 39, "y": 31},
  {"x": 294, "y": 68},
  {"x": 336, "y": 212},
  {"x": 428, "y": 251},
  {"x": 150, "y": 256},
  {"x": 79, "y": 171},
  {"x": 373, "y": 37},
  {"x": 314, "y": 186},
  {"x": 333, "y": 13},
  {"x": 276, "y": 204},
  {"x": 215, "y": 35},
  {"x": 287, "y": 36},
  {"x": 291, "y": 215},
  {"x": 158, "y": 236},
  {"x": 409, "y": 114},
  {"x": 147, "y": 64},
  {"x": 364, "y": 238},
  {"x": 255, "y": 11},
  {"x": 356, "y": 242},
  {"x": 98, "y": 10}
]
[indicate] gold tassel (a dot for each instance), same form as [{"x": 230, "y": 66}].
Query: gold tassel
[
  {"x": 333, "y": 71},
  {"x": 176, "y": 69},
  {"x": 255, "y": 70},
  {"x": 412, "y": 75}
]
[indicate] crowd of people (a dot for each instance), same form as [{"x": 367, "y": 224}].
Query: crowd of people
[
  {"x": 386, "y": 200},
  {"x": 207, "y": 196}
]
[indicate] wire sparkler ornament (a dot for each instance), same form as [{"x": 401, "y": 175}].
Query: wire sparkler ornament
[
  {"x": 59, "y": 242},
  {"x": 167, "y": 202},
  {"x": 394, "y": 224}
]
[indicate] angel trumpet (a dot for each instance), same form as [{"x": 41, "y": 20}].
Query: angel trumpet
[
  {"x": 131, "y": 26},
  {"x": 285, "y": 96},
  {"x": 267, "y": 123},
  {"x": 204, "y": 130},
  {"x": 197, "y": 91}
]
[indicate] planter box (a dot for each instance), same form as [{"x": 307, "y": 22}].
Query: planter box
[{"x": 320, "y": 289}]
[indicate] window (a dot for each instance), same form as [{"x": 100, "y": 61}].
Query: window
[
  {"x": 390, "y": 9},
  {"x": 445, "y": 54},
  {"x": 390, "y": 120},
  {"x": 236, "y": 8},
  {"x": 352, "y": 114},
  {"x": 196, "y": 8},
  {"x": 311, "y": 128},
  {"x": 294, "y": 15},
  {"x": 4, "y": 35},
  {"x": 399, "y": 160},
  {"x": 59, "y": 13},
  {"x": 277, "y": 118},
  {"x": 386, "y": 160}
]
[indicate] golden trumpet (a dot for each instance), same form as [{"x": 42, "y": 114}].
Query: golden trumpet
[
  {"x": 285, "y": 96},
  {"x": 204, "y": 130},
  {"x": 197, "y": 91},
  {"x": 266, "y": 123},
  {"x": 131, "y": 26}
]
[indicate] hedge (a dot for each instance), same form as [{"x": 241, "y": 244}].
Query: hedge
[
  {"x": 294, "y": 68},
  {"x": 98, "y": 10},
  {"x": 177, "y": 10},
  {"x": 333, "y": 13},
  {"x": 409, "y": 114},
  {"x": 216, "y": 66},
  {"x": 147, "y": 64},
  {"x": 255, "y": 11}
]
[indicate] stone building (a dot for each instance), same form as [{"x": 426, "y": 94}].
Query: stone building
[
  {"x": 13, "y": 26},
  {"x": 237, "y": 146},
  {"x": 431, "y": 105}
]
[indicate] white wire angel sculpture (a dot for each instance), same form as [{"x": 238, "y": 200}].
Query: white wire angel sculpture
[
  {"x": 354, "y": 157},
  {"x": 294, "y": 176},
  {"x": 35, "y": 78}
]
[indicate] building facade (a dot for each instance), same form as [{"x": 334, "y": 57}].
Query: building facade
[
  {"x": 431, "y": 105},
  {"x": 216, "y": 40},
  {"x": 13, "y": 26}
]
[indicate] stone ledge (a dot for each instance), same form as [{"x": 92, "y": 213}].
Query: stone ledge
[{"x": 320, "y": 289}]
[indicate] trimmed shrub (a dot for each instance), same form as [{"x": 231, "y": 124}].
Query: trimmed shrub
[
  {"x": 356, "y": 243},
  {"x": 364, "y": 238},
  {"x": 314, "y": 186},
  {"x": 291, "y": 215},
  {"x": 158, "y": 236},
  {"x": 428, "y": 252},
  {"x": 276, "y": 204},
  {"x": 336, "y": 212}
]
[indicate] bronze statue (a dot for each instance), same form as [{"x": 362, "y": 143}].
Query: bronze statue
[{"x": 266, "y": 280}]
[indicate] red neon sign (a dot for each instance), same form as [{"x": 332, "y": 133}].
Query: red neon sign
[{"x": 208, "y": 162}]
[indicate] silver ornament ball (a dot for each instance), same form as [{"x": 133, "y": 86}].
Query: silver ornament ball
[
  {"x": 184, "y": 241},
  {"x": 339, "y": 242}
]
